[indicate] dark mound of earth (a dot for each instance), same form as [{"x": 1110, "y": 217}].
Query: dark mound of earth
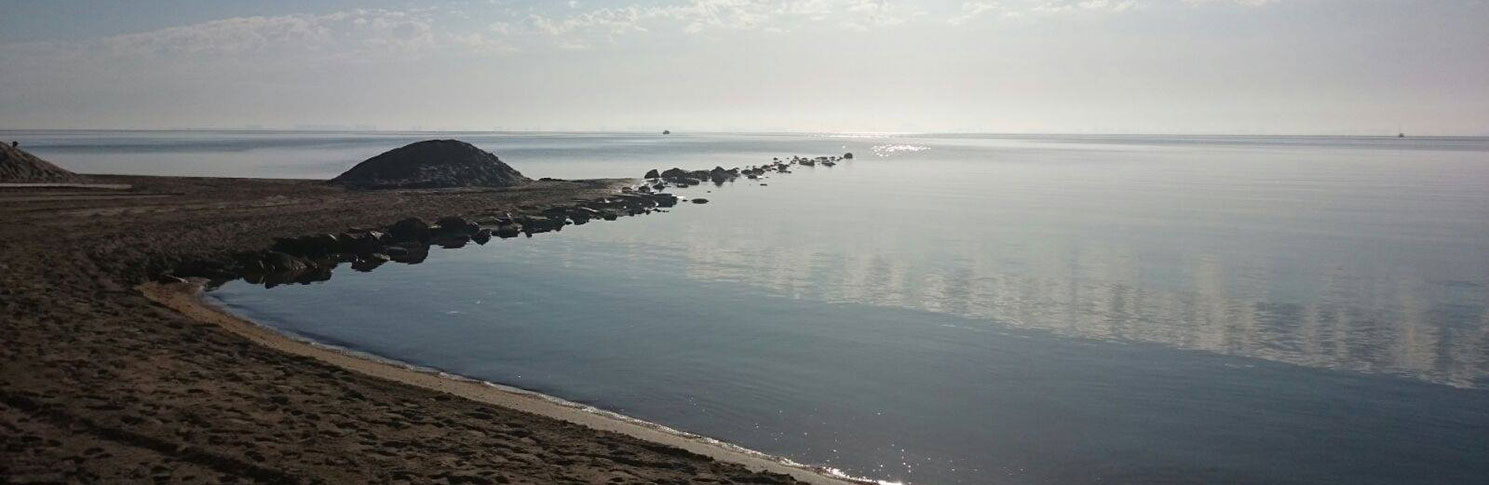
[
  {"x": 17, "y": 166},
  {"x": 432, "y": 164}
]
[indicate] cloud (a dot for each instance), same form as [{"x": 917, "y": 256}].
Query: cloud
[
  {"x": 1035, "y": 8},
  {"x": 1029, "y": 8},
  {"x": 699, "y": 16},
  {"x": 353, "y": 35},
  {"x": 1244, "y": 3}
]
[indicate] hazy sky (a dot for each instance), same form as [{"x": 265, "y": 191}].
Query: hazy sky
[{"x": 1108, "y": 66}]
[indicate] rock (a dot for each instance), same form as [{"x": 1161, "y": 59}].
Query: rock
[
  {"x": 322, "y": 244},
  {"x": 457, "y": 225},
  {"x": 664, "y": 200},
  {"x": 411, "y": 229},
  {"x": 290, "y": 245},
  {"x": 452, "y": 240},
  {"x": 432, "y": 164},
  {"x": 414, "y": 254},
  {"x": 481, "y": 236},
  {"x": 652, "y": 174},
  {"x": 277, "y": 262},
  {"x": 718, "y": 175},
  {"x": 507, "y": 230},
  {"x": 537, "y": 224},
  {"x": 700, "y": 200},
  {"x": 848, "y": 156},
  {"x": 581, "y": 215},
  {"x": 366, "y": 242},
  {"x": 370, "y": 262}
]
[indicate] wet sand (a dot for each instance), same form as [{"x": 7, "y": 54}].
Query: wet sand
[{"x": 110, "y": 377}]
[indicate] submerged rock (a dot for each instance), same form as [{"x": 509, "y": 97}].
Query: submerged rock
[{"x": 370, "y": 262}]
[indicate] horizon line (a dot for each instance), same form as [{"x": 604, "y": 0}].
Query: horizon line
[{"x": 745, "y": 132}]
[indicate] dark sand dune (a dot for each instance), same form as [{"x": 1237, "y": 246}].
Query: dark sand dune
[
  {"x": 432, "y": 164},
  {"x": 18, "y": 166}
]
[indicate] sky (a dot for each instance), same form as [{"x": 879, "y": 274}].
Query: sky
[{"x": 1345, "y": 67}]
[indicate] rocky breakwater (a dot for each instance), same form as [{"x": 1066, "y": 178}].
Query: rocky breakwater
[
  {"x": 310, "y": 258},
  {"x": 658, "y": 180}
]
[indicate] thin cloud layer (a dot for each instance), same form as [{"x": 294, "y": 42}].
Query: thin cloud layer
[
  {"x": 346, "y": 35},
  {"x": 886, "y": 65},
  {"x": 699, "y": 16}
]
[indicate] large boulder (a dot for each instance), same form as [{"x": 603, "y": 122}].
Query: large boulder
[
  {"x": 17, "y": 166},
  {"x": 457, "y": 225},
  {"x": 277, "y": 262},
  {"x": 432, "y": 164},
  {"x": 411, "y": 229}
]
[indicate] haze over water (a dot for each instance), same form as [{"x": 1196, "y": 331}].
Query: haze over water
[{"x": 956, "y": 308}]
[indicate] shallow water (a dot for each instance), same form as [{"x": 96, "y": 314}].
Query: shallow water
[{"x": 960, "y": 309}]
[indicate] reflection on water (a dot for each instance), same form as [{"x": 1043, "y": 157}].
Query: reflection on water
[
  {"x": 1402, "y": 333},
  {"x": 1364, "y": 260}
]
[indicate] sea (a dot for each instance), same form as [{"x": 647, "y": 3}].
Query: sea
[{"x": 952, "y": 308}]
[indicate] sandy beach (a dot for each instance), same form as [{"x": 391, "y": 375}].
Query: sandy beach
[{"x": 110, "y": 376}]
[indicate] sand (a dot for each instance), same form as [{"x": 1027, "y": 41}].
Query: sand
[{"x": 109, "y": 377}]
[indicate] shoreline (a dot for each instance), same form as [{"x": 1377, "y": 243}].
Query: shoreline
[
  {"x": 102, "y": 384},
  {"x": 190, "y": 299}
]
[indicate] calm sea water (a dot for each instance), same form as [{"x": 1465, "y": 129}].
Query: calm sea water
[{"x": 957, "y": 309}]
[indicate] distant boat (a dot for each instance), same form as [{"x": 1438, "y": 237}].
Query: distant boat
[
  {"x": 666, "y": 132},
  {"x": 1401, "y": 135}
]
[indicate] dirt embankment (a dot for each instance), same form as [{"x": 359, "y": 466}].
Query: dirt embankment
[
  {"x": 18, "y": 166},
  {"x": 100, "y": 384}
]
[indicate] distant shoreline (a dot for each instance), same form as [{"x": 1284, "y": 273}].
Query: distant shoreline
[{"x": 1390, "y": 135}]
